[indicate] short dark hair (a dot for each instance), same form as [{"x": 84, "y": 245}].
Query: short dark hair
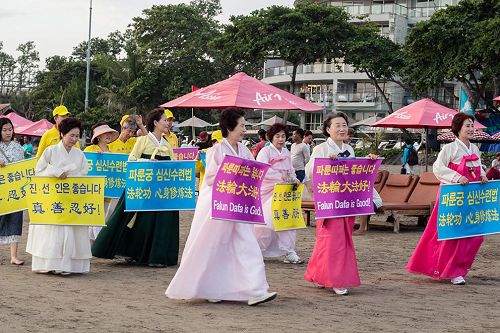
[
  {"x": 408, "y": 141},
  {"x": 229, "y": 119},
  {"x": 307, "y": 133},
  {"x": 5, "y": 121},
  {"x": 262, "y": 133},
  {"x": 458, "y": 121},
  {"x": 152, "y": 116},
  {"x": 68, "y": 124},
  {"x": 329, "y": 118},
  {"x": 96, "y": 140},
  {"x": 300, "y": 132},
  {"x": 275, "y": 129}
]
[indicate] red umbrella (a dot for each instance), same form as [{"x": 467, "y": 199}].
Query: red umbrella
[
  {"x": 242, "y": 91},
  {"x": 478, "y": 135},
  {"x": 496, "y": 99},
  {"x": 495, "y": 136},
  {"x": 422, "y": 114},
  {"x": 36, "y": 129},
  {"x": 17, "y": 120}
]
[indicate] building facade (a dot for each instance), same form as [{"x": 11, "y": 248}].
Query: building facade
[{"x": 336, "y": 86}]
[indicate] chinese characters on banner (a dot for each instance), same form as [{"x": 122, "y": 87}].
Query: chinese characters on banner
[
  {"x": 160, "y": 186},
  {"x": 236, "y": 190},
  {"x": 72, "y": 201},
  {"x": 113, "y": 166},
  {"x": 13, "y": 185},
  {"x": 185, "y": 154},
  {"x": 468, "y": 210},
  {"x": 286, "y": 207},
  {"x": 344, "y": 187}
]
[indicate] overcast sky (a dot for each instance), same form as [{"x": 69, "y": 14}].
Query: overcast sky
[{"x": 56, "y": 26}]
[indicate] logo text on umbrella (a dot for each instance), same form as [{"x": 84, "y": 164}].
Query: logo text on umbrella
[
  {"x": 442, "y": 116},
  {"x": 264, "y": 98},
  {"x": 209, "y": 95}
]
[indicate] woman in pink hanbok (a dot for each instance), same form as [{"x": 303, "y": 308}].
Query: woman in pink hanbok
[
  {"x": 222, "y": 260},
  {"x": 457, "y": 162},
  {"x": 333, "y": 261},
  {"x": 272, "y": 243}
]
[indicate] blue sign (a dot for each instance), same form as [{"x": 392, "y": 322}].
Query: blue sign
[
  {"x": 202, "y": 155},
  {"x": 160, "y": 186},
  {"x": 113, "y": 166},
  {"x": 468, "y": 210}
]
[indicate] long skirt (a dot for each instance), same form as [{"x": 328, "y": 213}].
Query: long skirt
[
  {"x": 333, "y": 262},
  {"x": 443, "y": 259},
  {"x": 145, "y": 237},
  {"x": 11, "y": 227}
]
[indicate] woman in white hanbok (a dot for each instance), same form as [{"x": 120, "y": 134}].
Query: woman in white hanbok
[
  {"x": 57, "y": 248},
  {"x": 222, "y": 259}
]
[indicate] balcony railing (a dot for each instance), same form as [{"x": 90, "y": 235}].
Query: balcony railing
[
  {"x": 391, "y": 8},
  {"x": 309, "y": 69}
]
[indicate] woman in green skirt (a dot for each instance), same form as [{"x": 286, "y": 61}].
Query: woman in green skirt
[{"x": 144, "y": 237}]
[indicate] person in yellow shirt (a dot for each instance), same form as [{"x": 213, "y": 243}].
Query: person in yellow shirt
[
  {"x": 199, "y": 168},
  {"x": 102, "y": 136},
  {"x": 127, "y": 139},
  {"x": 52, "y": 136},
  {"x": 168, "y": 134}
]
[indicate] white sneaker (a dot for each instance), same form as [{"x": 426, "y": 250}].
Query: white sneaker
[
  {"x": 262, "y": 299},
  {"x": 214, "y": 300},
  {"x": 293, "y": 258},
  {"x": 459, "y": 280},
  {"x": 341, "y": 291}
]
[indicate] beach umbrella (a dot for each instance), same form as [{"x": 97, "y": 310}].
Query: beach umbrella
[
  {"x": 194, "y": 122},
  {"x": 495, "y": 136},
  {"x": 247, "y": 123},
  {"x": 38, "y": 128},
  {"x": 422, "y": 114},
  {"x": 274, "y": 120},
  {"x": 242, "y": 91},
  {"x": 496, "y": 99},
  {"x": 478, "y": 135},
  {"x": 17, "y": 120},
  {"x": 366, "y": 122}
]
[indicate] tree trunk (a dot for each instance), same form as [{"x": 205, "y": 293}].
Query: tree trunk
[
  {"x": 381, "y": 91},
  {"x": 292, "y": 87}
]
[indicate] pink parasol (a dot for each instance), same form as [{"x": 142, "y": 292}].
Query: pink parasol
[
  {"x": 478, "y": 135},
  {"x": 36, "y": 129},
  {"x": 496, "y": 99},
  {"x": 17, "y": 120},
  {"x": 496, "y": 136},
  {"x": 242, "y": 91}
]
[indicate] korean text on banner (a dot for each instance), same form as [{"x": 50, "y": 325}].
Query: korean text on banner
[
  {"x": 185, "y": 154},
  {"x": 113, "y": 166},
  {"x": 13, "y": 185},
  {"x": 468, "y": 210},
  {"x": 72, "y": 201},
  {"x": 236, "y": 190},
  {"x": 160, "y": 186},
  {"x": 286, "y": 207},
  {"x": 344, "y": 187}
]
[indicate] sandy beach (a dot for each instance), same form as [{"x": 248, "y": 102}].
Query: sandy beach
[{"x": 118, "y": 297}]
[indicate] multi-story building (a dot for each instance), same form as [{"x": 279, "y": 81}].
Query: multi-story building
[{"x": 336, "y": 86}]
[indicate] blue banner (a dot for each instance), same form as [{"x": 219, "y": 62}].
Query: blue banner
[
  {"x": 203, "y": 157},
  {"x": 113, "y": 166},
  {"x": 468, "y": 210},
  {"x": 160, "y": 186}
]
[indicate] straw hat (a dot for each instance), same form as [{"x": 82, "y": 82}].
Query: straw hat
[{"x": 103, "y": 129}]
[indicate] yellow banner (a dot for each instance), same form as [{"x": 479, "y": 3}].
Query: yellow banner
[
  {"x": 72, "y": 201},
  {"x": 286, "y": 207},
  {"x": 13, "y": 181}
]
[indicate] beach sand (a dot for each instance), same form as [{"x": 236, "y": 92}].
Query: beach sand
[{"x": 117, "y": 297}]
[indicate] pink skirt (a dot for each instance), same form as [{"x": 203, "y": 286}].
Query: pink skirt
[
  {"x": 443, "y": 259},
  {"x": 333, "y": 261}
]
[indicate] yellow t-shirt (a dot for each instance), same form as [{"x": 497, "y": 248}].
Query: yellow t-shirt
[
  {"x": 172, "y": 139},
  {"x": 199, "y": 168},
  {"x": 120, "y": 147},
  {"x": 94, "y": 149},
  {"x": 50, "y": 138}
]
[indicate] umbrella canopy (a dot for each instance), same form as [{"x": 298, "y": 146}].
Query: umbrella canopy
[
  {"x": 496, "y": 136},
  {"x": 35, "y": 129},
  {"x": 274, "y": 120},
  {"x": 422, "y": 114},
  {"x": 242, "y": 91},
  {"x": 367, "y": 122},
  {"x": 497, "y": 99},
  {"x": 194, "y": 122},
  {"x": 17, "y": 120},
  {"x": 247, "y": 123},
  {"x": 478, "y": 135}
]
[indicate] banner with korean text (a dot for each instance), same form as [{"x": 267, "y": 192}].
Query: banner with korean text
[
  {"x": 160, "y": 186},
  {"x": 113, "y": 166},
  {"x": 468, "y": 210},
  {"x": 286, "y": 207},
  {"x": 185, "y": 154},
  {"x": 344, "y": 187},
  {"x": 236, "y": 190},
  {"x": 13, "y": 184},
  {"x": 70, "y": 201}
]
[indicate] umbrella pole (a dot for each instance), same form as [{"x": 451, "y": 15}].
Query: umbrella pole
[
  {"x": 192, "y": 125},
  {"x": 426, "y": 149}
]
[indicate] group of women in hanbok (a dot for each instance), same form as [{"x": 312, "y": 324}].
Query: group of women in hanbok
[{"x": 223, "y": 260}]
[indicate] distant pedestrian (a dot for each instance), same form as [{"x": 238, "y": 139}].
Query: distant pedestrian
[{"x": 300, "y": 152}]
